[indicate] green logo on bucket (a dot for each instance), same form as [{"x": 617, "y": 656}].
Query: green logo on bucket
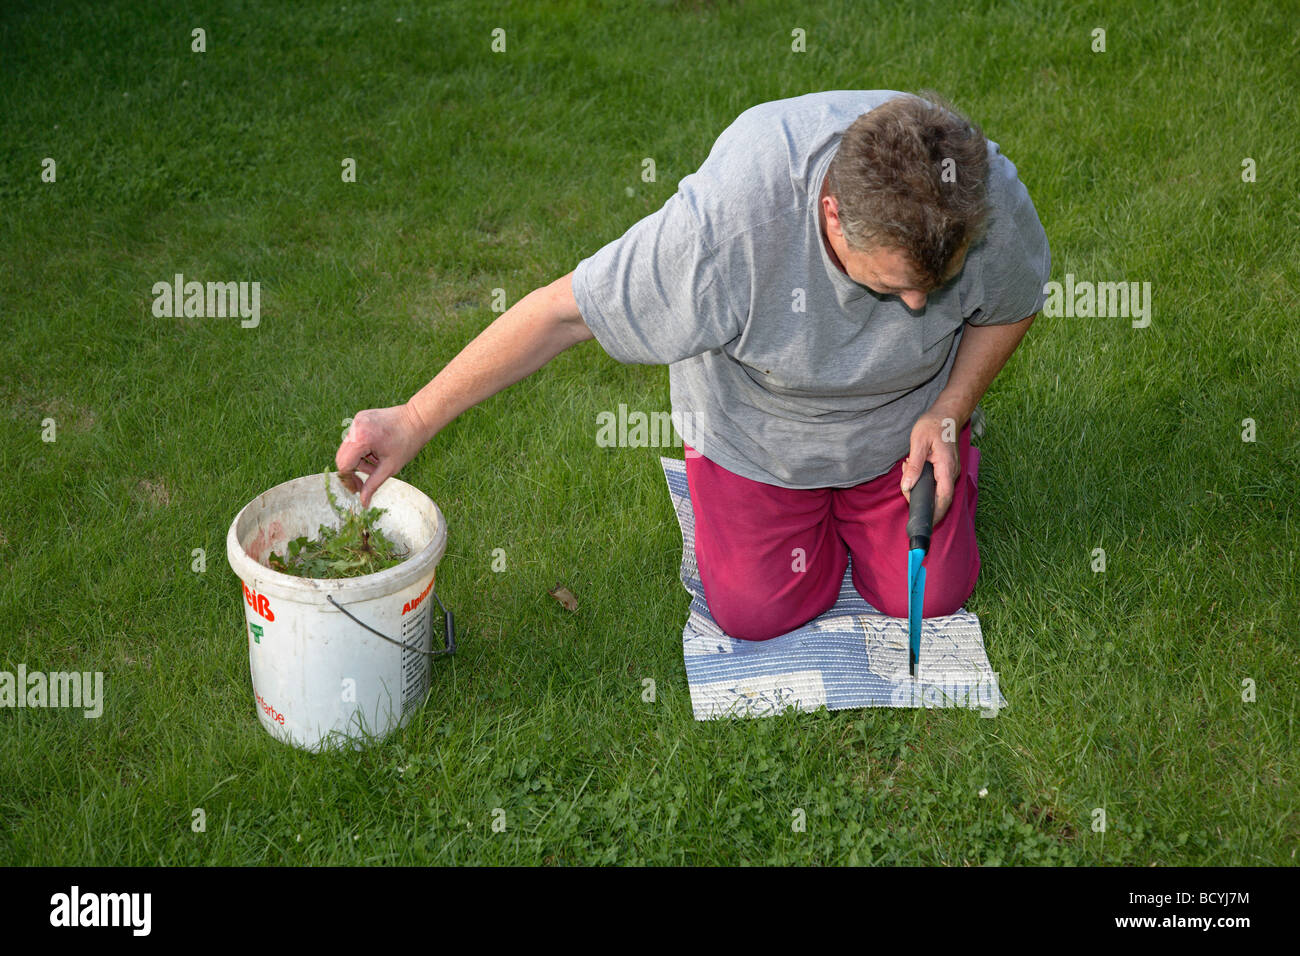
[{"x": 257, "y": 633}]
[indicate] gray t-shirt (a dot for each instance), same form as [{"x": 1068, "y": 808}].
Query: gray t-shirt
[{"x": 782, "y": 369}]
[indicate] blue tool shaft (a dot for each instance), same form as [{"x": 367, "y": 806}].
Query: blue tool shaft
[
  {"x": 915, "y": 604},
  {"x": 920, "y": 518}
]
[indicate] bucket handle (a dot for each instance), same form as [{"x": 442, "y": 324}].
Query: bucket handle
[{"x": 449, "y": 625}]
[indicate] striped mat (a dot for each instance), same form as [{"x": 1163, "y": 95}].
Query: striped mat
[{"x": 851, "y": 656}]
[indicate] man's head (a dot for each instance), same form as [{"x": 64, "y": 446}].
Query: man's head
[{"x": 904, "y": 197}]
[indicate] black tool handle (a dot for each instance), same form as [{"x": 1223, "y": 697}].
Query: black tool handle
[{"x": 920, "y": 513}]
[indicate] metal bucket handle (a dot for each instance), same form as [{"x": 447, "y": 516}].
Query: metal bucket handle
[{"x": 449, "y": 625}]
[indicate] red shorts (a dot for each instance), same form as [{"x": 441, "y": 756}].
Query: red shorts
[{"x": 771, "y": 559}]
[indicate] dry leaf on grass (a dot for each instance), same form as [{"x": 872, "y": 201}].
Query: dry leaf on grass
[{"x": 564, "y": 596}]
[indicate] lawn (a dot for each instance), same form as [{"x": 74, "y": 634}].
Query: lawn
[{"x": 1160, "y": 690}]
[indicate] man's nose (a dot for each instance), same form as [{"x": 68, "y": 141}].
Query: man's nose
[{"x": 913, "y": 300}]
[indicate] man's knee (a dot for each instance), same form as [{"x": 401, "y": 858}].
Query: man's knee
[
  {"x": 749, "y": 605},
  {"x": 755, "y": 617}
]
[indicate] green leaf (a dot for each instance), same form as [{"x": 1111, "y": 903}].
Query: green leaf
[{"x": 357, "y": 546}]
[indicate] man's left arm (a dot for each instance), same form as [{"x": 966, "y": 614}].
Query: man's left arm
[{"x": 984, "y": 349}]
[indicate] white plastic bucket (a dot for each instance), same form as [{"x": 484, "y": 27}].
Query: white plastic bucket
[{"x": 323, "y": 677}]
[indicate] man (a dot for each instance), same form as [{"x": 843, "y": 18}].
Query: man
[{"x": 833, "y": 291}]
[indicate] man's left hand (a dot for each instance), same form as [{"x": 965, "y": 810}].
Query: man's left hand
[{"x": 928, "y": 444}]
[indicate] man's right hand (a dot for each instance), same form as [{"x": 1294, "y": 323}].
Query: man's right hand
[{"x": 381, "y": 440}]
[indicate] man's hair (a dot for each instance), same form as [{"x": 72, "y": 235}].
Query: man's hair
[{"x": 909, "y": 175}]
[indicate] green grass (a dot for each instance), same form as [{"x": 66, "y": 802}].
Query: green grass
[{"x": 479, "y": 171}]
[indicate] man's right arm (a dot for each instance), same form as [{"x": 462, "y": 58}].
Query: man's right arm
[{"x": 529, "y": 334}]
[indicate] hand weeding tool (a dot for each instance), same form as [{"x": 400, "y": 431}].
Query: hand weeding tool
[{"x": 920, "y": 519}]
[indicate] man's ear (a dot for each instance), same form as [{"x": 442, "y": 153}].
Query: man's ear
[
  {"x": 831, "y": 209},
  {"x": 957, "y": 263}
]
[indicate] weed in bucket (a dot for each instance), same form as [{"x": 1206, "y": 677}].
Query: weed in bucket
[{"x": 357, "y": 546}]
